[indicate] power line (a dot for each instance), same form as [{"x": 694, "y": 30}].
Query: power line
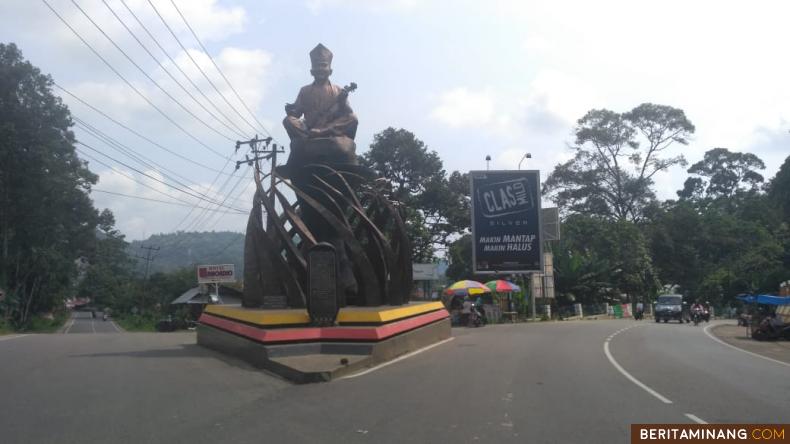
[
  {"x": 132, "y": 154},
  {"x": 151, "y": 79},
  {"x": 201, "y": 69},
  {"x": 238, "y": 132},
  {"x": 238, "y": 182},
  {"x": 164, "y": 51},
  {"x": 154, "y": 178},
  {"x": 128, "y": 83},
  {"x": 128, "y": 152},
  {"x": 243, "y": 103},
  {"x": 138, "y": 134},
  {"x": 94, "y": 190},
  {"x": 129, "y": 176}
]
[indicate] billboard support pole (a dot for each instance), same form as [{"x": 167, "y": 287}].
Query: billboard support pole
[{"x": 531, "y": 297}]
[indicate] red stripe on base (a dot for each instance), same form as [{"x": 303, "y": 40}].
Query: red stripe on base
[{"x": 323, "y": 333}]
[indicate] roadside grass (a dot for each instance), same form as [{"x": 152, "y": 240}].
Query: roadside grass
[
  {"x": 40, "y": 323},
  {"x": 136, "y": 323}
]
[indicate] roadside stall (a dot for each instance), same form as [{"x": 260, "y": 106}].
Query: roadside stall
[
  {"x": 454, "y": 295},
  {"x": 503, "y": 292},
  {"x": 769, "y": 318}
]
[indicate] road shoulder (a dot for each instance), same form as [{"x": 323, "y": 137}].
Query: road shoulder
[{"x": 737, "y": 337}]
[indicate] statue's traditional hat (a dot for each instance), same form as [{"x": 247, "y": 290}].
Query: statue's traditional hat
[{"x": 320, "y": 54}]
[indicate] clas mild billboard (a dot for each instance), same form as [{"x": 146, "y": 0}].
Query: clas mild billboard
[{"x": 506, "y": 221}]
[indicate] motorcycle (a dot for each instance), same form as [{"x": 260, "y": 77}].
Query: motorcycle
[
  {"x": 696, "y": 317},
  {"x": 767, "y": 331},
  {"x": 475, "y": 317}
]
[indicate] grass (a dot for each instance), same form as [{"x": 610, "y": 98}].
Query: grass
[
  {"x": 38, "y": 324},
  {"x": 130, "y": 322}
]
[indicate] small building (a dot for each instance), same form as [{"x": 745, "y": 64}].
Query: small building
[{"x": 198, "y": 297}]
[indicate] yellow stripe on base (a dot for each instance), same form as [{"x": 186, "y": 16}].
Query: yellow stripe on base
[
  {"x": 358, "y": 315},
  {"x": 260, "y": 317},
  {"x": 379, "y": 315}
]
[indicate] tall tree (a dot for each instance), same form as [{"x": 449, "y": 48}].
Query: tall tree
[
  {"x": 721, "y": 174},
  {"x": 435, "y": 207},
  {"x": 779, "y": 189},
  {"x": 46, "y": 216},
  {"x": 616, "y": 157}
]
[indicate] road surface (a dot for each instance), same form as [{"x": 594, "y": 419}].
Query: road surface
[
  {"x": 83, "y": 322},
  {"x": 565, "y": 382}
]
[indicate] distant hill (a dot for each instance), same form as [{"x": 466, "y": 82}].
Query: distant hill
[{"x": 179, "y": 250}]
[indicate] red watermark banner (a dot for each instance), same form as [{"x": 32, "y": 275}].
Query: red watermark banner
[{"x": 710, "y": 433}]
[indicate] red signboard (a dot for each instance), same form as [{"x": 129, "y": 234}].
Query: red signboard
[{"x": 216, "y": 273}]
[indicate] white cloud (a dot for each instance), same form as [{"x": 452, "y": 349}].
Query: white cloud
[
  {"x": 375, "y": 6},
  {"x": 462, "y": 107},
  {"x": 139, "y": 218}
]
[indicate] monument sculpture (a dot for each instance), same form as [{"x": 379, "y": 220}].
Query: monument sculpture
[
  {"x": 327, "y": 260},
  {"x": 338, "y": 203}
]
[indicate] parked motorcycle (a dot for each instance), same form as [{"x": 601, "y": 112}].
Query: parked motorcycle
[{"x": 475, "y": 317}]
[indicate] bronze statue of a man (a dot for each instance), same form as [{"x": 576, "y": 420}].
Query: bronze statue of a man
[{"x": 321, "y": 124}]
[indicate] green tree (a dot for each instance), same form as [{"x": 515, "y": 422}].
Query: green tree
[
  {"x": 109, "y": 280},
  {"x": 616, "y": 157},
  {"x": 460, "y": 254},
  {"x": 46, "y": 216},
  {"x": 435, "y": 207},
  {"x": 779, "y": 189},
  {"x": 721, "y": 174}
]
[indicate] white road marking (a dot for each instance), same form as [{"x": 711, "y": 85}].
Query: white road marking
[
  {"x": 710, "y": 335},
  {"x": 93, "y": 326},
  {"x": 115, "y": 325},
  {"x": 630, "y": 377},
  {"x": 400, "y": 358},
  {"x": 696, "y": 419},
  {"x": 71, "y": 323},
  {"x": 6, "y": 338}
]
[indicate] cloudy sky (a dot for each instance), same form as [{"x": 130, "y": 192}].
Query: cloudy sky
[{"x": 469, "y": 78}]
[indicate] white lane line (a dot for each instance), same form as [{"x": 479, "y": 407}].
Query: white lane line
[
  {"x": 71, "y": 324},
  {"x": 93, "y": 326},
  {"x": 696, "y": 419},
  {"x": 630, "y": 377},
  {"x": 6, "y": 338},
  {"x": 710, "y": 335},
  {"x": 116, "y": 326},
  {"x": 400, "y": 358}
]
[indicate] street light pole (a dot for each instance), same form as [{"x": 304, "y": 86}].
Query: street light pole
[
  {"x": 488, "y": 159},
  {"x": 525, "y": 156}
]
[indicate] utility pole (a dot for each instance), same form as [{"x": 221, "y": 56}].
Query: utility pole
[
  {"x": 267, "y": 152},
  {"x": 149, "y": 257}
]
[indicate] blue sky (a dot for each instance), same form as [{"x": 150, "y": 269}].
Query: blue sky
[{"x": 469, "y": 78}]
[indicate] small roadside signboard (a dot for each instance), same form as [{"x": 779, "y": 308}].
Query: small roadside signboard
[{"x": 209, "y": 274}]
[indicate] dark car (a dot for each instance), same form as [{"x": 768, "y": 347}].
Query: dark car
[{"x": 670, "y": 307}]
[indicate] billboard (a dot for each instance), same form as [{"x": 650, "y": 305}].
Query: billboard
[
  {"x": 424, "y": 272},
  {"x": 216, "y": 273},
  {"x": 506, "y": 221}
]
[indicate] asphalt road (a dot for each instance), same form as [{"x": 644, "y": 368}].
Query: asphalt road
[
  {"x": 83, "y": 322},
  {"x": 548, "y": 382}
]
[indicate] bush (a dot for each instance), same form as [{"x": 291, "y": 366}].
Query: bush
[{"x": 137, "y": 322}]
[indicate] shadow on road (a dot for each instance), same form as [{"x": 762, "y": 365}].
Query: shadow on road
[{"x": 182, "y": 351}]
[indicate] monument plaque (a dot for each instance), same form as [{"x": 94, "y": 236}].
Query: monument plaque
[{"x": 322, "y": 304}]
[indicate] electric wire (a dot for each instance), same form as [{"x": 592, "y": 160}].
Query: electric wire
[
  {"x": 128, "y": 83},
  {"x": 137, "y": 133},
  {"x": 150, "y": 54},
  {"x": 154, "y": 178},
  {"x": 151, "y": 79},
  {"x": 178, "y": 67},
  {"x": 132, "y": 178},
  {"x": 94, "y": 190},
  {"x": 243, "y": 103},
  {"x": 186, "y": 51},
  {"x": 132, "y": 154}
]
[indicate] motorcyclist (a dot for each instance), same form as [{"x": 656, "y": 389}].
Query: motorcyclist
[{"x": 697, "y": 310}]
